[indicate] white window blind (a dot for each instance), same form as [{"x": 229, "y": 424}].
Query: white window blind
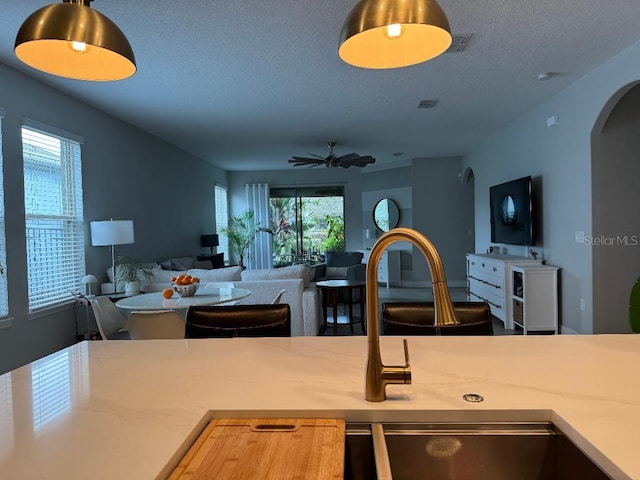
[
  {"x": 54, "y": 216},
  {"x": 4, "y": 301},
  {"x": 222, "y": 219}
]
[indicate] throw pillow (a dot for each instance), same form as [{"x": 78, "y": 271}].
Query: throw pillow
[
  {"x": 205, "y": 264},
  {"x": 182, "y": 263}
]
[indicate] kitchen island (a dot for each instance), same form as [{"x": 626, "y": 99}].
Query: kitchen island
[{"x": 131, "y": 409}]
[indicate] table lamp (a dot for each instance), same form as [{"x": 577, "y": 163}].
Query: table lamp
[
  {"x": 209, "y": 241},
  {"x": 112, "y": 233},
  {"x": 87, "y": 281}
]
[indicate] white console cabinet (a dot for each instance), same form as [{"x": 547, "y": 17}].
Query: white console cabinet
[
  {"x": 489, "y": 279},
  {"x": 534, "y": 298},
  {"x": 389, "y": 270}
]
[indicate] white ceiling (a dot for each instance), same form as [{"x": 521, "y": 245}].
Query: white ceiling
[{"x": 247, "y": 84}]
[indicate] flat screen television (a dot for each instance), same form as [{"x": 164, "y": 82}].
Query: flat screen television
[{"x": 512, "y": 212}]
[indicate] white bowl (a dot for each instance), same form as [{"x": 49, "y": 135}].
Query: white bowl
[{"x": 186, "y": 290}]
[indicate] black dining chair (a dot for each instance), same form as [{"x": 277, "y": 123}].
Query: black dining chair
[
  {"x": 224, "y": 321},
  {"x": 417, "y": 318}
]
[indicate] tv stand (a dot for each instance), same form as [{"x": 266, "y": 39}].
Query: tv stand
[{"x": 489, "y": 279}]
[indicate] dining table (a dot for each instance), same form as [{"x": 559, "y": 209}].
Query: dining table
[{"x": 156, "y": 301}]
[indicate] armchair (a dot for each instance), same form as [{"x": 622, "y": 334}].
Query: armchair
[{"x": 342, "y": 266}]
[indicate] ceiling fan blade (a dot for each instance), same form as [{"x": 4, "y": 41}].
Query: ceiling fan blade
[
  {"x": 348, "y": 157},
  {"x": 358, "y": 162},
  {"x": 307, "y": 159},
  {"x": 298, "y": 161}
]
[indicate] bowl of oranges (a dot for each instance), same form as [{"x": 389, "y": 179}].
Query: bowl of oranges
[{"x": 185, "y": 285}]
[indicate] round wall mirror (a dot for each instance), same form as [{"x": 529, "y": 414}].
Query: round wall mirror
[
  {"x": 386, "y": 214},
  {"x": 508, "y": 210}
]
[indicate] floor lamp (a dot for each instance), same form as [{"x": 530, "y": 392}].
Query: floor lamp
[{"x": 112, "y": 233}]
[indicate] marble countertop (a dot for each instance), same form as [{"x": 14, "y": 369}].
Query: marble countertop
[{"x": 130, "y": 409}]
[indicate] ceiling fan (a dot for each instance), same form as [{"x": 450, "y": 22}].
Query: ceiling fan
[{"x": 332, "y": 160}]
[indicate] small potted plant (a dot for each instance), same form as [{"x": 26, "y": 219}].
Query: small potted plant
[{"x": 131, "y": 271}]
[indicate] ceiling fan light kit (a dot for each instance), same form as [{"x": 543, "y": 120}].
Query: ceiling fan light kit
[
  {"x": 72, "y": 40},
  {"x": 382, "y": 34},
  {"x": 332, "y": 160}
]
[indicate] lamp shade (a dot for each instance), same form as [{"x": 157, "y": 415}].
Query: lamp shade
[
  {"x": 394, "y": 33},
  {"x": 111, "y": 232},
  {"x": 209, "y": 240},
  {"x": 72, "y": 40},
  {"x": 89, "y": 279}
]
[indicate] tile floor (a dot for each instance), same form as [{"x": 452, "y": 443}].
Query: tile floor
[{"x": 397, "y": 294}]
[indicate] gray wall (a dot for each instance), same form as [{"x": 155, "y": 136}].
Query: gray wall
[
  {"x": 443, "y": 211},
  {"x": 616, "y": 213},
  {"x": 393, "y": 183},
  {"x": 127, "y": 174},
  {"x": 560, "y": 158},
  {"x": 433, "y": 201}
]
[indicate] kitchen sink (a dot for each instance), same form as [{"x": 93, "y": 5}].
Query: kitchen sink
[{"x": 469, "y": 451}]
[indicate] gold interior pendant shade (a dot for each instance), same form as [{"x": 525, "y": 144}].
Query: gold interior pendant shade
[
  {"x": 71, "y": 40},
  {"x": 394, "y": 33}
]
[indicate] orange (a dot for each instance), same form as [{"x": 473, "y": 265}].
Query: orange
[{"x": 167, "y": 293}]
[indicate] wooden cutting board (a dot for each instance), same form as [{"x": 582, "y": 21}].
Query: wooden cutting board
[{"x": 266, "y": 449}]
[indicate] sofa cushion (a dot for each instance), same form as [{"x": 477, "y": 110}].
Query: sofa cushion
[
  {"x": 290, "y": 272},
  {"x": 164, "y": 276},
  {"x": 227, "y": 274}
]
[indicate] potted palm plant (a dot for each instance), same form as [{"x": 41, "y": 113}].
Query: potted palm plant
[
  {"x": 131, "y": 271},
  {"x": 241, "y": 233}
]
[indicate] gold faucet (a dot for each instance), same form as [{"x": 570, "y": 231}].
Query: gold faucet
[{"x": 378, "y": 376}]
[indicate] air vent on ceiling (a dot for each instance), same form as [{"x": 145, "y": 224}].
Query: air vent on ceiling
[
  {"x": 459, "y": 43},
  {"x": 428, "y": 103}
]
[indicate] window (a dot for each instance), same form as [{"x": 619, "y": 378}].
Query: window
[
  {"x": 222, "y": 219},
  {"x": 4, "y": 303},
  {"x": 54, "y": 218},
  {"x": 306, "y": 222}
]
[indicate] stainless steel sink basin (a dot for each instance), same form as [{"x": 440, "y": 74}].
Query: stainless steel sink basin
[{"x": 438, "y": 451}]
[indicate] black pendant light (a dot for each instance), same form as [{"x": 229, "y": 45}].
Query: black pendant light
[
  {"x": 394, "y": 33},
  {"x": 71, "y": 40}
]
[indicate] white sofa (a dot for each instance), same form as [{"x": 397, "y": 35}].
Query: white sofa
[{"x": 301, "y": 294}]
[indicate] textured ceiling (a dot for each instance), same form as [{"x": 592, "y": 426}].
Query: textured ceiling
[{"x": 247, "y": 84}]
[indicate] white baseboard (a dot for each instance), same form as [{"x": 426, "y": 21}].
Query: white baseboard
[{"x": 568, "y": 331}]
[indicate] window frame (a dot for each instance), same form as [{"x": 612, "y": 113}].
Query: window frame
[
  {"x": 54, "y": 217},
  {"x": 4, "y": 287},
  {"x": 221, "y": 192}
]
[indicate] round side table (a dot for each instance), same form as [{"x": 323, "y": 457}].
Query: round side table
[{"x": 331, "y": 291}]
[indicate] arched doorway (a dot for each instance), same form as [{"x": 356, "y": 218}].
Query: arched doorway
[
  {"x": 468, "y": 179},
  {"x": 615, "y": 207}
]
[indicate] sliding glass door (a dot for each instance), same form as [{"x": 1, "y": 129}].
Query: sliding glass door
[{"x": 305, "y": 222}]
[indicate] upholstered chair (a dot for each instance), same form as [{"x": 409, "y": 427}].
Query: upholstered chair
[
  {"x": 342, "y": 266},
  {"x": 265, "y": 320},
  {"x": 417, "y": 318}
]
